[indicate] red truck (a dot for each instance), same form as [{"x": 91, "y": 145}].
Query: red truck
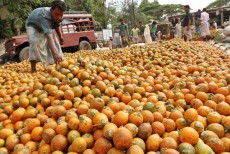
[{"x": 78, "y": 32}]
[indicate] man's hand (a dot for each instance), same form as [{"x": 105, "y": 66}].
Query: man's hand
[{"x": 57, "y": 57}]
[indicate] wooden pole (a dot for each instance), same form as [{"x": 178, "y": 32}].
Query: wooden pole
[
  {"x": 221, "y": 13},
  {"x": 133, "y": 12}
]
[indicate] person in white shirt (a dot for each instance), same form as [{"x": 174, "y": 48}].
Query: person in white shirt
[
  {"x": 215, "y": 25},
  {"x": 159, "y": 34},
  {"x": 147, "y": 35},
  {"x": 178, "y": 29},
  {"x": 204, "y": 24},
  {"x": 226, "y": 23}
]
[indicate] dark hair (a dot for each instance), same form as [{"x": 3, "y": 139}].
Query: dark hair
[
  {"x": 204, "y": 9},
  {"x": 121, "y": 20},
  {"x": 187, "y": 6},
  {"x": 154, "y": 23},
  {"x": 60, "y": 4}
]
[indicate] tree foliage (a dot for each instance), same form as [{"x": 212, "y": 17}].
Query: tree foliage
[
  {"x": 21, "y": 9},
  {"x": 218, "y": 3},
  {"x": 80, "y": 5},
  {"x": 102, "y": 13},
  {"x": 158, "y": 11}
]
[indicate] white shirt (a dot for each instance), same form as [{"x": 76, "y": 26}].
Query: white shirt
[
  {"x": 147, "y": 30},
  {"x": 178, "y": 25},
  {"x": 215, "y": 25},
  {"x": 204, "y": 17},
  {"x": 225, "y": 23}
]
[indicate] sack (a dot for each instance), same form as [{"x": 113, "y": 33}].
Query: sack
[{"x": 226, "y": 31}]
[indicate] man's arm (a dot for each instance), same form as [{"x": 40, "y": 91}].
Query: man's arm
[
  {"x": 53, "y": 49},
  {"x": 189, "y": 22},
  {"x": 58, "y": 30}
]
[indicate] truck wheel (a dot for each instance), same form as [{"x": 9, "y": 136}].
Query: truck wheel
[
  {"x": 84, "y": 45},
  {"x": 24, "y": 54}
]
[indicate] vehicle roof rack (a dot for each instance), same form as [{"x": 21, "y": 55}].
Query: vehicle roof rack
[{"x": 76, "y": 12}]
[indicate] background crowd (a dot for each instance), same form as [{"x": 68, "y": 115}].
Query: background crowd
[{"x": 180, "y": 28}]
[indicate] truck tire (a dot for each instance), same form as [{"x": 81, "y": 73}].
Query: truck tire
[
  {"x": 24, "y": 54},
  {"x": 84, "y": 45}
]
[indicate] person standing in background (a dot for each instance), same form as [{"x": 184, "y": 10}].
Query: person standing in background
[
  {"x": 141, "y": 33},
  {"x": 172, "y": 33},
  {"x": 204, "y": 18},
  {"x": 135, "y": 34},
  {"x": 117, "y": 39},
  {"x": 226, "y": 23},
  {"x": 153, "y": 30},
  {"x": 159, "y": 35},
  {"x": 178, "y": 29},
  {"x": 197, "y": 22},
  {"x": 174, "y": 22},
  {"x": 147, "y": 35},
  {"x": 123, "y": 33},
  {"x": 214, "y": 24},
  {"x": 170, "y": 23},
  {"x": 187, "y": 21}
]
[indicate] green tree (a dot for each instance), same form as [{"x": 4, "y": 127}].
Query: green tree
[
  {"x": 154, "y": 10},
  {"x": 112, "y": 15},
  {"x": 95, "y": 7},
  {"x": 149, "y": 8},
  {"x": 100, "y": 12},
  {"x": 218, "y": 3},
  {"x": 81, "y": 5},
  {"x": 129, "y": 11},
  {"x": 20, "y": 10}
]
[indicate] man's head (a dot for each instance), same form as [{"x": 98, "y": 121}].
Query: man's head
[
  {"x": 154, "y": 22},
  {"x": 204, "y": 9},
  {"x": 186, "y": 8},
  {"x": 135, "y": 26},
  {"x": 122, "y": 21},
  {"x": 57, "y": 10}
]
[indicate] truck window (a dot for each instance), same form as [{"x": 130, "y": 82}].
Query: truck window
[
  {"x": 77, "y": 25},
  {"x": 71, "y": 28}
]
